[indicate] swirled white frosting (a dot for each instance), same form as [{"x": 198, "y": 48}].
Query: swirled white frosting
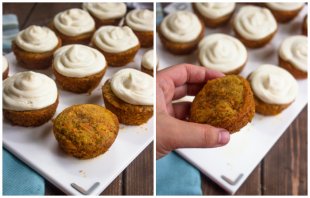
[
  {"x": 273, "y": 85},
  {"x": 115, "y": 39},
  {"x": 285, "y": 6},
  {"x": 181, "y": 26},
  {"x": 222, "y": 52},
  {"x": 36, "y": 39},
  {"x": 74, "y": 22},
  {"x": 215, "y": 10},
  {"x": 148, "y": 61},
  {"x": 133, "y": 86},
  {"x": 106, "y": 11},
  {"x": 26, "y": 91},
  {"x": 254, "y": 23},
  {"x": 140, "y": 20},
  {"x": 78, "y": 61},
  {"x": 294, "y": 49},
  {"x": 5, "y": 64}
]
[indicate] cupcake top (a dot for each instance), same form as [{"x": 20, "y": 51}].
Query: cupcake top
[
  {"x": 115, "y": 39},
  {"x": 148, "y": 60},
  {"x": 74, "y": 22},
  {"x": 181, "y": 26},
  {"x": 26, "y": 91},
  {"x": 140, "y": 20},
  {"x": 5, "y": 64},
  {"x": 285, "y": 6},
  {"x": 215, "y": 10},
  {"x": 36, "y": 39},
  {"x": 133, "y": 86},
  {"x": 294, "y": 49},
  {"x": 254, "y": 23},
  {"x": 222, "y": 52},
  {"x": 106, "y": 11},
  {"x": 273, "y": 85},
  {"x": 78, "y": 61}
]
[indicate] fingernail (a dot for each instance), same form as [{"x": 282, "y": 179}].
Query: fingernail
[{"x": 224, "y": 137}]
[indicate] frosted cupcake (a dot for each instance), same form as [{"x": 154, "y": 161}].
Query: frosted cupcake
[
  {"x": 78, "y": 68},
  {"x": 285, "y": 11},
  {"x": 148, "y": 63},
  {"x": 29, "y": 99},
  {"x": 34, "y": 47},
  {"x": 5, "y": 68}
]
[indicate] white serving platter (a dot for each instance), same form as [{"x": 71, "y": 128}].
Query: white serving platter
[
  {"x": 38, "y": 148},
  {"x": 229, "y": 166}
]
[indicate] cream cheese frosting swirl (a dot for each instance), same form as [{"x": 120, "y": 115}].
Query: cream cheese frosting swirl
[
  {"x": 181, "y": 26},
  {"x": 133, "y": 86},
  {"x": 5, "y": 64},
  {"x": 274, "y": 85},
  {"x": 148, "y": 60},
  {"x": 74, "y": 22},
  {"x": 36, "y": 39},
  {"x": 78, "y": 61},
  {"x": 106, "y": 11},
  {"x": 115, "y": 39},
  {"x": 285, "y": 6},
  {"x": 222, "y": 52},
  {"x": 254, "y": 23},
  {"x": 140, "y": 20},
  {"x": 215, "y": 10},
  {"x": 294, "y": 49},
  {"x": 26, "y": 91}
]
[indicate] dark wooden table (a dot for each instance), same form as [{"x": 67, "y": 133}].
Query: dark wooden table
[{"x": 137, "y": 178}]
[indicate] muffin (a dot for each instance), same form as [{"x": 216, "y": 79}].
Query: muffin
[
  {"x": 29, "y": 99},
  {"x": 285, "y": 11},
  {"x": 129, "y": 95},
  {"x": 5, "y": 68},
  {"x": 34, "y": 47},
  {"x": 119, "y": 45},
  {"x": 254, "y": 26},
  {"x": 86, "y": 130},
  {"x": 222, "y": 53},
  {"x": 74, "y": 26},
  {"x": 305, "y": 26},
  {"x": 78, "y": 68},
  {"x": 148, "y": 62},
  {"x": 225, "y": 102},
  {"x": 214, "y": 14},
  {"x": 293, "y": 56},
  {"x": 180, "y": 32},
  {"x": 274, "y": 89},
  {"x": 141, "y": 22}
]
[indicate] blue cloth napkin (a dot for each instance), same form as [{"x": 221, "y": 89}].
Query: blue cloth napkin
[
  {"x": 175, "y": 176},
  {"x": 10, "y": 30}
]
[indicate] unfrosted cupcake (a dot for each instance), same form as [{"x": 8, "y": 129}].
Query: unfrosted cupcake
[
  {"x": 5, "y": 68},
  {"x": 305, "y": 26},
  {"x": 285, "y": 11},
  {"x": 29, "y": 99},
  {"x": 78, "y": 68},
  {"x": 34, "y": 47},
  {"x": 214, "y": 14},
  {"x": 254, "y": 26},
  {"x": 74, "y": 26},
  {"x": 274, "y": 89},
  {"x": 119, "y": 45},
  {"x": 148, "y": 63},
  {"x": 106, "y": 13},
  {"x": 141, "y": 22},
  {"x": 222, "y": 53},
  {"x": 293, "y": 55},
  {"x": 180, "y": 32}
]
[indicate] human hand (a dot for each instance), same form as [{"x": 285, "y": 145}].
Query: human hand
[{"x": 172, "y": 129}]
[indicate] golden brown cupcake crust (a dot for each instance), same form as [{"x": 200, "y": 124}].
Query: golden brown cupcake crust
[{"x": 293, "y": 70}]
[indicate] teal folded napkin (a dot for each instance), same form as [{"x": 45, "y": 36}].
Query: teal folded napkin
[
  {"x": 175, "y": 176},
  {"x": 10, "y": 30}
]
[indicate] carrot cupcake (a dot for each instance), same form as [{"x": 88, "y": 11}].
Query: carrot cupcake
[
  {"x": 285, "y": 11},
  {"x": 222, "y": 53},
  {"x": 305, "y": 26},
  {"x": 129, "y": 95},
  {"x": 5, "y": 68},
  {"x": 274, "y": 89},
  {"x": 106, "y": 13},
  {"x": 148, "y": 62},
  {"x": 74, "y": 26},
  {"x": 34, "y": 47},
  {"x": 254, "y": 26},
  {"x": 78, "y": 68},
  {"x": 141, "y": 22},
  {"x": 293, "y": 55},
  {"x": 119, "y": 45},
  {"x": 180, "y": 32},
  {"x": 29, "y": 99},
  {"x": 214, "y": 14}
]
